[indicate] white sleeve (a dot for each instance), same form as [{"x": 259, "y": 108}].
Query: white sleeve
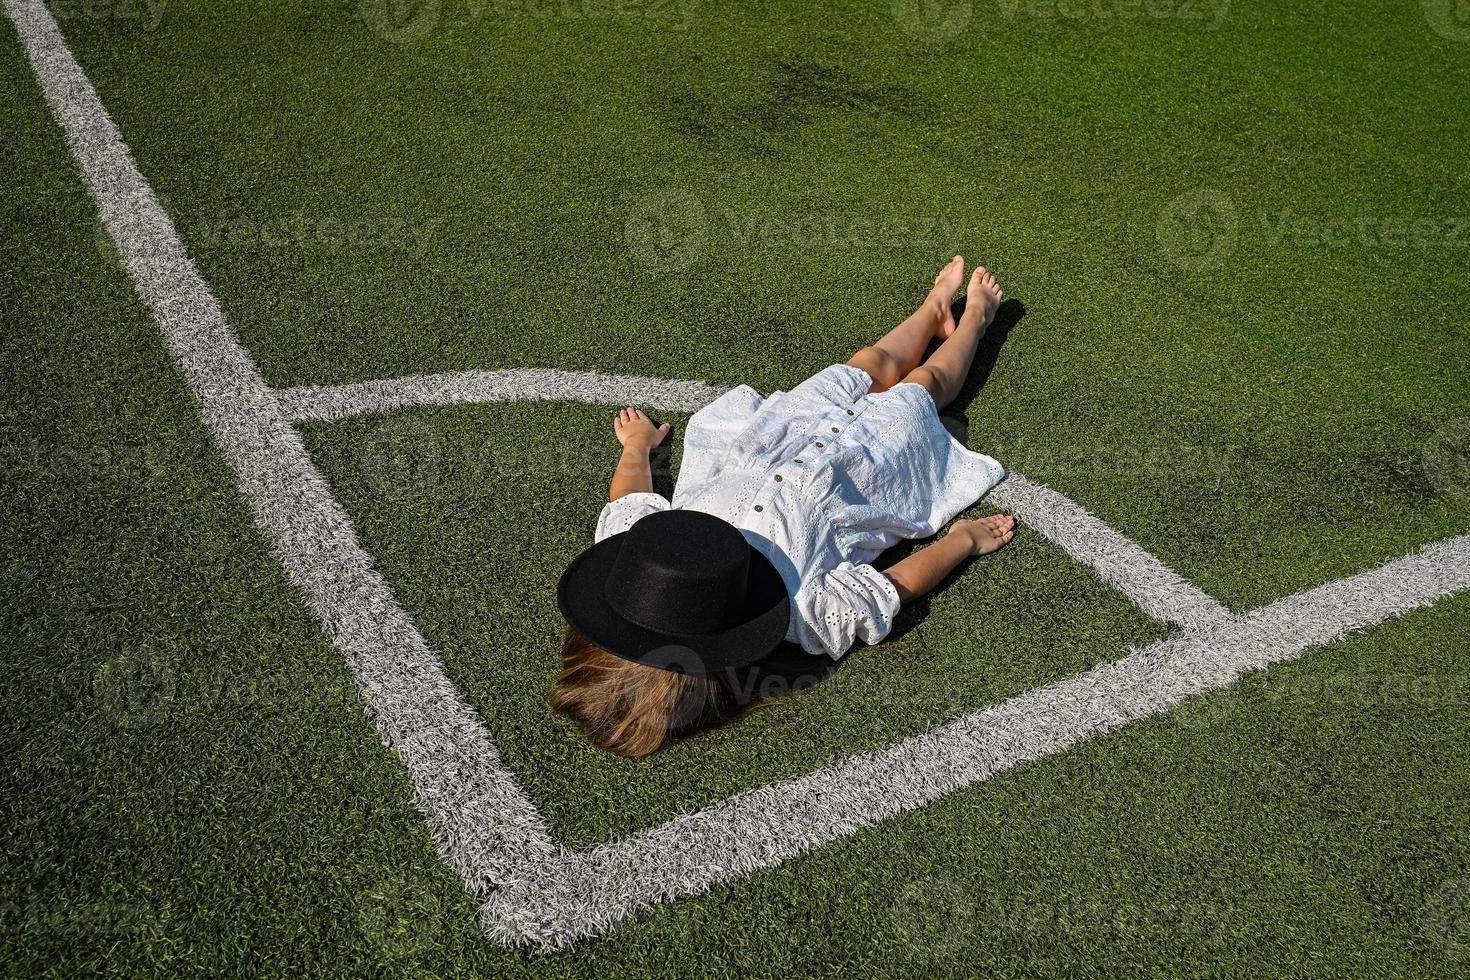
[
  {"x": 712, "y": 430},
  {"x": 627, "y": 510},
  {"x": 837, "y": 608}
]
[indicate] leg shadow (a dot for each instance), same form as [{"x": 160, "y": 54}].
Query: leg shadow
[{"x": 954, "y": 415}]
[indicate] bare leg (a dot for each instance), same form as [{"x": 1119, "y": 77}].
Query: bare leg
[
  {"x": 944, "y": 373},
  {"x": 902, "y": 348}
]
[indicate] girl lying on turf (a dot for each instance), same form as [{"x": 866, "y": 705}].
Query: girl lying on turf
[{"x": 781, "y": 505}]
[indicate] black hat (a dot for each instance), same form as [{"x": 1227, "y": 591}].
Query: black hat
[{"x": 681, "y": 590}]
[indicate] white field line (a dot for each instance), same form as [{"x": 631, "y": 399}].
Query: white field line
[
  {"x": 590, "y": 892},
  {"x": 488, "y": 831},
  {"x": 486, "y": 828},
  {"x": 331, "y": 402},
  {"x": 1118, "y": 560},
  {"x": 1155, "y": 587}
]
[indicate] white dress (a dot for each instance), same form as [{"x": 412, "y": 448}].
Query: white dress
[{"x": 823, "y": 479}]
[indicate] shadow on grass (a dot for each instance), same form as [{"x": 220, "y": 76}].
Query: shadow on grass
[
  {"x": 957, "y": 422},
  {"x": 1006, "y": 318}
]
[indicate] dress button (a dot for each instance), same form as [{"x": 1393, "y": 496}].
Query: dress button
[
  {"x": 835, "y": 429},
  {"x": 851, "y": 412},
  {"x": 778, "y": 477},
  {"x": 758, "y": 508},
  {"x": 819, "y": 445},
  {"x": 796, "y": 461}
]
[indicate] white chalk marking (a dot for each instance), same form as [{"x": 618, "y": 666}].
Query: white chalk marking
[
  {"x": 1157, "y": 589},
  {"x": 1118, "y": 560},
  {"x": 590, "y": 892},
  {"x": 486, "y": 828},
  {"x": 488, "y": 831},
  {"x": 330, "y": 402}
]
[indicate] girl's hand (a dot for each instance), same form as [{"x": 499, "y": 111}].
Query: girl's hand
[
  {"x": 635, "y": 431},
  {"x": 987, "y": 533}
]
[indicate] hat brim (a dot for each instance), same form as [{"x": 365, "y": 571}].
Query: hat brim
[{"x": 580, "y": 596}]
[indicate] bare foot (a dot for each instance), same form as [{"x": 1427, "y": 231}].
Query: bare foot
[
  {"x": 987, "y": 533},
  {"x": 942, "y": 295},
  {"x": 982, "y": 299}
]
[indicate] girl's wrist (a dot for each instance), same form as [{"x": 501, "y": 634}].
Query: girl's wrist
[{"x": 964, "y": 535}]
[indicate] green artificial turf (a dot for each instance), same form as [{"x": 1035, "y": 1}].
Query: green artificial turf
[
  {"x": 476, "y": 524},
  {"x": 192, "y": 784},
  {"x": 481, "y": 198}
]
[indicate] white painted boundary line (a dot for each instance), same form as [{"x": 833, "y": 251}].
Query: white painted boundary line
[
  {"x": 1118, "y": 560},
  {"x": 331, "y": 402},
  {"x": 488, "y": 831},
  {"x": 589, "y": 892},
  {"x": 1155, "y": 587},
  {"x": 485, "y": 826}
]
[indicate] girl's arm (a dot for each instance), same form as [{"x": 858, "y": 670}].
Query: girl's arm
[
  {"x": 639, "y": 436},
  {"x": 923, "y": 570}
]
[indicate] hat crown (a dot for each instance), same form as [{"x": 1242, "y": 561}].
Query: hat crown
[{"x": 681, "y": 572}]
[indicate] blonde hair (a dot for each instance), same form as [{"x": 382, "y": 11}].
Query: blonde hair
[{"x": 631, "y": 709}]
